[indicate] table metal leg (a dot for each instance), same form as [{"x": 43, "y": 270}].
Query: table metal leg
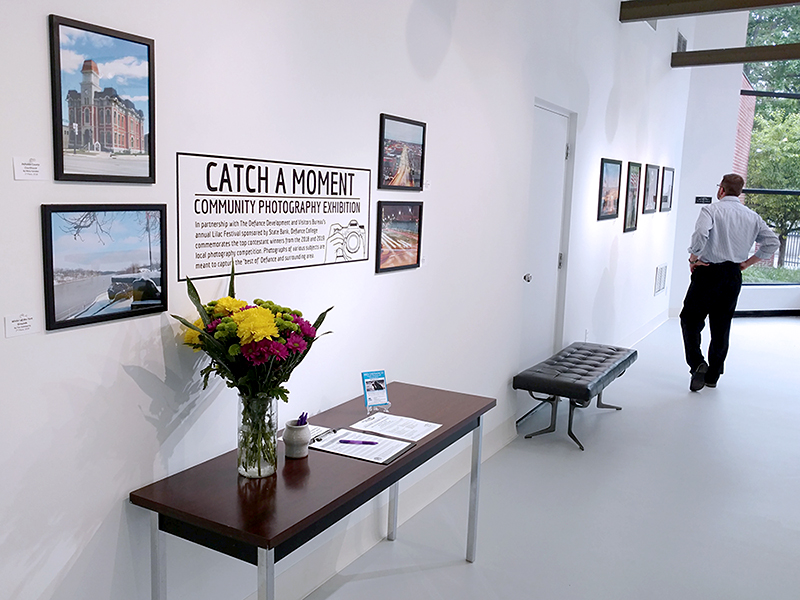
[
  {"x": 394, "y": 492},
  {"x": 158, "y": 561},
  {"x": 266, "y": 574},
  {"x": 474, "y": 487}
]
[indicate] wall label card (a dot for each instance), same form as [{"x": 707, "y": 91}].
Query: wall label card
[
  {"x": 27, "y": 169},
  {"x": 268, "y": 215},
  {"x": 21, "y": 324}
]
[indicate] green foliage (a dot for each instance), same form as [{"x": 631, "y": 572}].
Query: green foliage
[
  {"x": 775, "y": 144},
  {"x": 768, "y": 27},
  {"x": 763, "y": 274},
  {"x": 775, "y": 164}
]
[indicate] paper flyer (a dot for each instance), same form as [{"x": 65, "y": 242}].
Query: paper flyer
[{"x": 375, "y": 393}]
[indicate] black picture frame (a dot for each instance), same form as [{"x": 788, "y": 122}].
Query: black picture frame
[
  {"x": 632, "y": 197},
  {"x": 608, "y": 196},
  {"x": 667, "y": 185},
  {"x": 103, "y": 262},
  {"x": 650, "y": 201},
  {"x": 401, "y": 154},
  {"x": 102, "y": 130},
  {"x": 399, "y": 237}
]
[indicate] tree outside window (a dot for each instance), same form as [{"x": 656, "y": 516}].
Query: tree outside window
[{"x": 773, "y": 169}]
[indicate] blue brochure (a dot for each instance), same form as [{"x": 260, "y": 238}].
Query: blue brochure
[{"x": 375, "y": 394}]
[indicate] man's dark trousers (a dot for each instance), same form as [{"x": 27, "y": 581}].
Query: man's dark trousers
[{"x": 712, "y": 293}]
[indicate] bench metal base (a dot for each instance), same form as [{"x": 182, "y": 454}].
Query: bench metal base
[{"x": 573, "y": 404}]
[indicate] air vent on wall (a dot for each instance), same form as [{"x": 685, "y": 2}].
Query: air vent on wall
[{"x": 661, "y": 279}]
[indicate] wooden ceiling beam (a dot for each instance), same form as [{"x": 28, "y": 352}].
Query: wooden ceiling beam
[
  {"x": 647, "y": 10},
  {"x": 726, "y": 56}
]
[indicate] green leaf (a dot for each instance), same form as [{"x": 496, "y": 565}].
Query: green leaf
[
  {"x": 195, "y": 298},
  {"x": 207, "y": 338},
  {"x": 231, "y": 291},
  {"x": 321, "y": 318}
]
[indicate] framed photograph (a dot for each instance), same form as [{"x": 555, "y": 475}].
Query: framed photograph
[
  {"x": 650, "y": 203},
  {"x": 399, "y": 235},
  {"x": 632, "y": 197},
  {"x": 667, "y": 182},
  {"x": 103, "y": 262},
  {"x": 610, "y": 179},
  {"x": 401, "y": 155},
  {"x": 103, "y": 95}
]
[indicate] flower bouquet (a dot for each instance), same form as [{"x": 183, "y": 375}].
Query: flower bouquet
[{"x": 254, "y": 347}]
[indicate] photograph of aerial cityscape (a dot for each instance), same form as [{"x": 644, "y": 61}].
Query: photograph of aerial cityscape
[
  {"x": 402, "y": 153},
  {"x": 102, "y": 262},
  {"x": 102, "y": 103},
  {"x": 399, "y": 235}
]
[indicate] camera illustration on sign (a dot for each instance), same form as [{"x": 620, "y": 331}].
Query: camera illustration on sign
[{"x": 346, "y": 242}]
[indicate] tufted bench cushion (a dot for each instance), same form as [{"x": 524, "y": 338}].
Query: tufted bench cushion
[{"x": 579, "y": 372}]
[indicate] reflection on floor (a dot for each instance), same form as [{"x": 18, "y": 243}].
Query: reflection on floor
[{"x": 679, "y": 496}]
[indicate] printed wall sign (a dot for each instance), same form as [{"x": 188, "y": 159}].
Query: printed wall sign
[{"x": 268, "y": 215}]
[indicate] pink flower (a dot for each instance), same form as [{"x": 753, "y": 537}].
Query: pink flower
[
  {"x": 212, "y": 327},
  {"x": 260, "y": 352},
  {"x": 296, "y": 343},
  {"x": 305, "y": 327}
]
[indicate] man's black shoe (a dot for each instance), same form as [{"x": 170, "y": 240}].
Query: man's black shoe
[
  {"x": 711, "y": 380},
  {"x": 698, "y": 377}
]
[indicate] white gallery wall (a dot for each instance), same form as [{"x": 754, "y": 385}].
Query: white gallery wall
[{"x": 91, "y": 413}]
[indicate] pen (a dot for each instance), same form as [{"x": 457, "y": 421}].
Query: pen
[{"x": 365, "y": 443}]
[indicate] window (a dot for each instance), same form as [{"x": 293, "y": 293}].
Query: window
[{"x": 768, "y": 143}]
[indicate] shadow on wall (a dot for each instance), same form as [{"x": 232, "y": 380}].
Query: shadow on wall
[
  {"x": 429, "y": 32},
  {"x": 604, "y": 313},
  {"x": 177, "y": 400}
]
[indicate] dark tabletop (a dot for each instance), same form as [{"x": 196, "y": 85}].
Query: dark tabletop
[{"x": 307, "y": 495}]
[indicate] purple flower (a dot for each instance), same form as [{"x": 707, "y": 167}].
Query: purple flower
[
  {"x": 212, "y": 327},
  {"x": 260, "y": 352},
  {"x": 296, "y": 343},
  {"x": 305, "y": 327}
]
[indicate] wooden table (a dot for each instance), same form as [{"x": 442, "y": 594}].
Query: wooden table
[{"x": 262, "y": 520}]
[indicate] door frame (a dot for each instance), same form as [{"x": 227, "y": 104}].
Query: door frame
[{"x": 566, "y": 215}]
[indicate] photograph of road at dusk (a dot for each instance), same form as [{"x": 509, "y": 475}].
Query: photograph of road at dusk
[{"x": 402, "y": 153}]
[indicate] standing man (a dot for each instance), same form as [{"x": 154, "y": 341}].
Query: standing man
[{"x": 720, "y": 245}]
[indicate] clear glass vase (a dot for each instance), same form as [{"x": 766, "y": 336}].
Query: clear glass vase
[{"x": 258, "y": 440}]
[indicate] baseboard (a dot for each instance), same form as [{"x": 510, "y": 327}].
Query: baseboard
[
  {"x": 768, "y": 313},
  {"x": 309, "y": 567}
]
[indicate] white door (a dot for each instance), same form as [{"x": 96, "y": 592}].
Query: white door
[{"x": 543, "y": 280}]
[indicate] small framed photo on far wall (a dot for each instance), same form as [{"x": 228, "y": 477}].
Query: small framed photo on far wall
[
  {"x": 650, "y": 203},
  {"x": 608, "y": 198},
  {"x": 632, "y": 197},
  {"x": 667, "y": 182}
]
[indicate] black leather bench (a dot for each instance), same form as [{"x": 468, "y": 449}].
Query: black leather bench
[{"x": 579, "y": 372}]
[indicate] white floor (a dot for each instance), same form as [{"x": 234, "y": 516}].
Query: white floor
[{"x": 679, "y": 496}]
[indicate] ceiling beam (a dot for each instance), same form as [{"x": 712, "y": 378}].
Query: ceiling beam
[
  {"x": 647, "y": 10},
  {"x": 726, "y": 56}
]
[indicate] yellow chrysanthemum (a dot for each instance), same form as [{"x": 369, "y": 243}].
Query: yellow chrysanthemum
[
  {"x": 192, "y": 337},
  {"x": 255, "y": 324},
  {"x": 227, "y": 305}
]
